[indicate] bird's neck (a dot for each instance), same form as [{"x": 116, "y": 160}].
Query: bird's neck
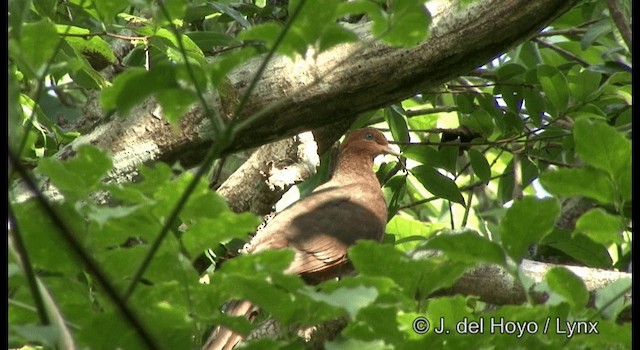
[{"x": 353, "y": 167}]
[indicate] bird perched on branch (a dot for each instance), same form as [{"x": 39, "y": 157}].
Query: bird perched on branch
[{"x": 322, "y": 226}]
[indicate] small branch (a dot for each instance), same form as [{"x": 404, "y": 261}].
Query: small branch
[
  {"x": 561, "y": 51},
  {"x": 442, "y": 109},
  {"x": 432, "y": 130},
  {"x": 565, "y": 32},
  {"x": 517, "y": 176},
  {"x": 87, "y": 260},
  {"x": 551, "y": 161},
  {"x": 489, "y": 85},
  {"x": 105, "y": 33},
  {"x": 621, "y": 22},
  {"x": 462, "y": 189},
  {"x": 485, "y": 143},
  {"x": 495, "y": 285},
  {"x": 483, "y": 73},
  {"x": 239, "y": 46},
  {"x": 16, "y": 242}
]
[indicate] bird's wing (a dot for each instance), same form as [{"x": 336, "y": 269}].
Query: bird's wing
[{"x": 322, "y": 226}]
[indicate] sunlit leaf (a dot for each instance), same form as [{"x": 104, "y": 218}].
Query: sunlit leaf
[
  {"x": 526, "y": 222},
  {"x": 438, "y": 184},
  {"x": 467, "y": 246},
  {"x": 555, "y": 86},
  {"x": 480, "y": 165},
  {"x": 568, "y": 285},
  {"x": 80, "y": 174},
  {"x": 601, "y": 226}
]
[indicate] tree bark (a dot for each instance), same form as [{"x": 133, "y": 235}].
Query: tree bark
[
  {"x": 293, "y": 96},
  {"x": 490, "y": 283}
]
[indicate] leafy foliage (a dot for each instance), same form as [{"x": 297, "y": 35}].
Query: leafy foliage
[{"x": 493, "y": 161}]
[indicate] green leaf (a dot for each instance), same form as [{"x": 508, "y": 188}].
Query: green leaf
[
  {"x": 135, "y": 84},
  {"x": 376, "y": 322},
  {"x": 397, "y": 185},
  {"x": 15, "y": 118},
  {"x": 601, "y": 226},
  {"x": 351, "y": 343},
  {"x": 79, "y": 175},
  {"x": 602, "y": 146},
  {"x": 405, "y": 226},
  {"x": 42, "y": 238},
  {"x": 259, "y": 277},
  {"x": 555, "y": 87},
  {"x": 438, "y": 184},
  {"x": 407, "y": 25},
  {"x": 166, "y": 41},
  {"x": 513, "y": 97},
  {"x": 374, "y": 259},
  {"x": 267, "y": 33},
  {"x": 109, "y": 9},
  {"x": 584, "y": 84},
  {"x": 480, "y": 165},
  {"x": 480, "y": 120},
  {"x": 510, "y": 71},
  {"x": 101, "y": 216},
  {"x": 175, "y": 103},
  {"x": 333, "y": 35},
  {"x": 208, "y": 40},
  {"x": 37, "y": 43},
  {"x": 565, "y": 283},
  {"x": 449, "y": 309},
  {"x": 594, "y": 32},
  {"x": 534, "y": 100},
  {"x": 110, "y": 323},
  {"x": 423, "y": 154},
  {"x": 467, "y": 246},
  {"x": 311, "y": 25},
  {"x": 409, "y": 232},
  {"x": 527, "y": 222},
  {"x": 505, "y": 185},
  {"x": 587, "y": 182},
  {"x": 206, "y": 233},
  {"x": 359, "y": 7},
  {"x": 113, "y": 227},
  {"x": 610, "y": 301},
  {"x": 465, "y": 103},
  {"x": 350, "y": 299},
  {"x": 579, "y": 247},
  {"x": 412, "y": 276},
  {"x": 262, "y": 263},
  {"x": 448, "y": 158},
  {"x": 231, "y": 12},
  {"x": 394, "y": 116},
  {"x": 94, "y": 48},
  {"x": 45, "y": 335}
]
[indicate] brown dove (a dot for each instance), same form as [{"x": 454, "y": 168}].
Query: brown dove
[{"x": 322, "y": 226}]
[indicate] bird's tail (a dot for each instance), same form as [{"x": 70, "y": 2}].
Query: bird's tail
[{"x": 225, "y": 339}]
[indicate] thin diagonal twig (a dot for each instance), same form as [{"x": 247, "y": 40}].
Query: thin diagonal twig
[
  {"x": 15, "y": 238},
  {"x": 225, "y": 136},
  {"x": 76, "y": 247}
]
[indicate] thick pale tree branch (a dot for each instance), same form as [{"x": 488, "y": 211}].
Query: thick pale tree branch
[
  {"x": 490, "y": 283},
  {"x": 496, "y": 286},
  {"x": 307, "y": 93}
]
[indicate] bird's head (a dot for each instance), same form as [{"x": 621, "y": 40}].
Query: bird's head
[{"x": 367, "y": 141}]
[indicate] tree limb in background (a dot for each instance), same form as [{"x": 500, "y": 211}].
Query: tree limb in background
[{"x": 294, "y": 96}]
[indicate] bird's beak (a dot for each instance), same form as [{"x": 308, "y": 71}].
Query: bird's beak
[{"x": 392, "y": 151}]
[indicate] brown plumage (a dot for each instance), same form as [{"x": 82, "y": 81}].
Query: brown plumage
[{"x": 321, "y": 227}]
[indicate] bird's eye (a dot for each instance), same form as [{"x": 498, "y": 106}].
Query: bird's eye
[{"x": 368, "y": 136}]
